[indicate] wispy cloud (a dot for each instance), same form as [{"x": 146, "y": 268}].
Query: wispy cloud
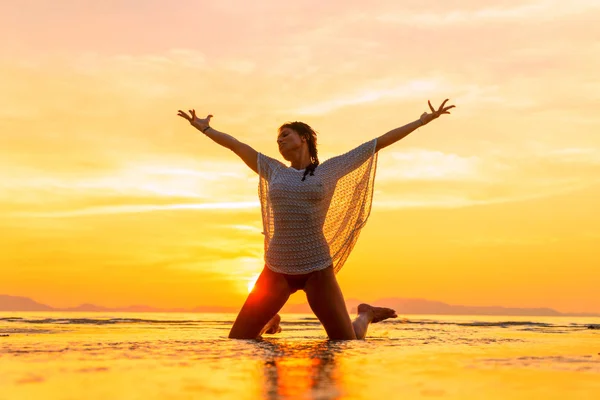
[
  {"x": 188, "y": 180},
  {"x": 539, "y": 11},
  {"x": 433, "y": 179},
  {"x": 442, "y": 200},
  {"x": 406, "y": 179},
  {"x": 424, "y": 164},
  {"x": 420, "y": 88},
  {"x": 503, "y": 241},
  {"x": 133, "y": 209}
]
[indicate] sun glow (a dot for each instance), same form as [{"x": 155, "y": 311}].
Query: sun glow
[{"x": 252, "y": 282}]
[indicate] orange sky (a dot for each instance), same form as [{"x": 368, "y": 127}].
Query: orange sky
[{"x": 108, "y": 198}]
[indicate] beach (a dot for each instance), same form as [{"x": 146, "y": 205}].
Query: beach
[{"x": 68, "y": 355}]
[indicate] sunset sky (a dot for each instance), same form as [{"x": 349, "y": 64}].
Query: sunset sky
[{"x": 107, "y": 197}]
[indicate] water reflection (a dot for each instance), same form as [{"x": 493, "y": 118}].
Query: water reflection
[{"x": 301, "y": 369}]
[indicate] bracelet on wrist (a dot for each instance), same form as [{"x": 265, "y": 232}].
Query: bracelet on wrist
[{"x": 205, "y": 129}]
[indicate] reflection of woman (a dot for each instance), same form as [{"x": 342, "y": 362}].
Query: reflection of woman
[
  {"x": 295, "y": 371},
  {"x": 312, "y": 215}
]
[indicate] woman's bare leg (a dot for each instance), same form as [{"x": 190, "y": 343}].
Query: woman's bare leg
[
  {"x": 327, "y": 302},
  {"x": 259, "y": 313},
  {"x": 369, "y": 315}
]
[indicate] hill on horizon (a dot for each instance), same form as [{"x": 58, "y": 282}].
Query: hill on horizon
[{"x": 402, "y": 306}]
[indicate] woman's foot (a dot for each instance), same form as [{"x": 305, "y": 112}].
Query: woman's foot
[
  {"x": 376, "y": 314},
  {"x": 273, "y": 326}
]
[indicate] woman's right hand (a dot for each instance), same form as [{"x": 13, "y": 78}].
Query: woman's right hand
[{"x": 201, "y": 124}]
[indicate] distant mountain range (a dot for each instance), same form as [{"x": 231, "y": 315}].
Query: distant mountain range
[{"x": 402, "y": 306}]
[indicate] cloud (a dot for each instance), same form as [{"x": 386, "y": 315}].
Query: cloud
[
  {"x": 412, "y": 178},
  {"x": 432, "y": 179},
  {"x": 538, "y": 11},
  {"x": 442, "y": 200},
  {"x": 424, "y": 164},
  {"x": 502, "y": 241},
  {"x": 134, "y": 186},
  {"x": 101, "y": 137},
  {"x": 251, "y": 229},
  {"x": 419, "y": 88},
  {"x": 135, "y": 208}
]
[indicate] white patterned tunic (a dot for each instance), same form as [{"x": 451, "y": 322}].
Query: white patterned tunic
[{"x": 312, "y": 224}]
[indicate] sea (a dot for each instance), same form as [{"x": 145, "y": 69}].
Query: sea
[{"x": 68, "y": 355}]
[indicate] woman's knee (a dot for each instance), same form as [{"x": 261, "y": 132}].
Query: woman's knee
[
  {"x": 327, "y": 302},
  {"x": 270, "y": 293}
]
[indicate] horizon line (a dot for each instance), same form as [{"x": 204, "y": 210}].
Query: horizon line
[{"x": 192, "y": 309}]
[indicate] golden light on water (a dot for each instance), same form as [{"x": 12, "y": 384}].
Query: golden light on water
[{"x": 49, "y": 353}]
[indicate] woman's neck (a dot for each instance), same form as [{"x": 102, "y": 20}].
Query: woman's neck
[{"x": 300, "y": 160}]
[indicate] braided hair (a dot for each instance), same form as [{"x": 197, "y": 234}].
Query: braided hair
[{"x": 307, "y": 132}]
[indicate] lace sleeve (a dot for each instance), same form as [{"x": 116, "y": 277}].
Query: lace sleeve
[
  {"x": 352, "y": 177},
  {"x": 267, "y": 166},
  {"x": 337, "y": 167}
]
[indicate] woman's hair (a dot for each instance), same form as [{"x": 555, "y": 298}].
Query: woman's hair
[{"x": 311, "y": 138}]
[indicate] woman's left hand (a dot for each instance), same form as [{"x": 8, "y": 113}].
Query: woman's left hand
[{"x": 428, "y": 117}]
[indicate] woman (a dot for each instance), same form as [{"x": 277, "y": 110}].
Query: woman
[{"x": 312, "y": 216}]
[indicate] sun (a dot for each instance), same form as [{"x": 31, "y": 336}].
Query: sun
[{"x": 252, "y": 282}]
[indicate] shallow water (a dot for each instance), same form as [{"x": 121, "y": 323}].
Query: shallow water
[{"x": 187, "y": 356}]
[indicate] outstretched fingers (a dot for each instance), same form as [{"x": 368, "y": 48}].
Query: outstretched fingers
[
  {"x": 444, "y": 110},
  {"x": 192, "y": 116},
  {"x": 442, "y": 106},
  {"x": 441, "y": 110},
  {"x": 182, "y": 114}
]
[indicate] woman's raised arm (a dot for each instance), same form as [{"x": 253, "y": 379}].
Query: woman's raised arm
[
  {"x": 245, "y": 152},
  {"x": 396, "y": 134}
]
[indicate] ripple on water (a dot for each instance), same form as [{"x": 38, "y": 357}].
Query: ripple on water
[
  {"x": 9, "y": 331},
  {"x": 587, "y": 362}
]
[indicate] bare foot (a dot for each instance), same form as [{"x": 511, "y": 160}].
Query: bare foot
[
  {"x": 273, "y": 326},
  {"x": 376, "y": 314}
]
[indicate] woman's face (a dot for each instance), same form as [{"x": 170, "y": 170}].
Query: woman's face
[{"x": 289, "y": 141}]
